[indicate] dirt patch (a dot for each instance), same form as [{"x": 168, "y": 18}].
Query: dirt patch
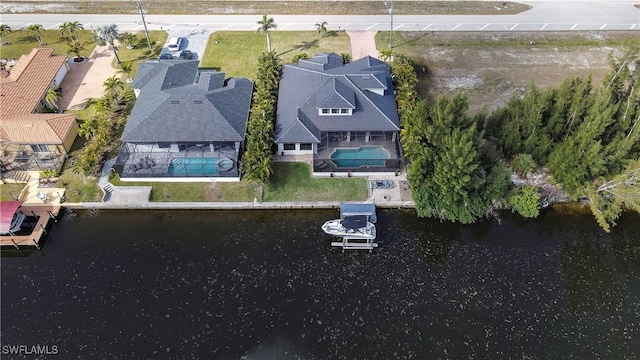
[{"x": 491, "y": 67}]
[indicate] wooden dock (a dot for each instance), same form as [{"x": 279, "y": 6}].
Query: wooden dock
[{"x": 34, "y": 227}]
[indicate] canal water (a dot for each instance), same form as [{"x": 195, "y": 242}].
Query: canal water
[{"x": 267, "y": 285}]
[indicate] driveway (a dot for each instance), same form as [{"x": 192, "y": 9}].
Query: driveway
[
  {"x": 194, "y": 40},
  {"x": 363, "y": 43},
  {"x": 85, "y": 80}
]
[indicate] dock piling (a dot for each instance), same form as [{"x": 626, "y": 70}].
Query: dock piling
[
  {"x": 43, "y": 229},
  {"x": 35, "y": 243}
]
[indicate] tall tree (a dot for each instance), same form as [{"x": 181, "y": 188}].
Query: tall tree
[
  {"x": 622, "y": 192},
  {"x": 346, "y": 58},
  {"x": 385, "y": 55},
  {"x": 35, "y": 31},
  {"x": 265, "y": 25},
  {"x": 107, "y": 35},
  {"x": 4, "y": 31},
  {"x": 70, "y": 29}
]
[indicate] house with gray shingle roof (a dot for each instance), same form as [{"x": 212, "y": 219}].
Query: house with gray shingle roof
[
  {"x": 187, "y": 124},
  {"x": 343, "y": 114}
]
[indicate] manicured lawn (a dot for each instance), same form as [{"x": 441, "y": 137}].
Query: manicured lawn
[
  {"x": 141, "y": 53},
  {"x": 289, "y": 182},
  {"x": 236, "y": 52},
  {"x": 21, "y": 43},
  {"x": 293, "y": 182},
  {"x": 195, "y": 192},
  {"x": 10, "y": 190}
]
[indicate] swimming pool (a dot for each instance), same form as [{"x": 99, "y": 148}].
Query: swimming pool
[
  {"x": 194, "y": 166},
  {"x": 362, "y": 156}
]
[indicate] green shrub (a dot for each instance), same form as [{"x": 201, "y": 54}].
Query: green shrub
[
  {"x": 48, "y": 173},
  {"x": 525, "y": 201},
  {"x": 523, "y": 164}
]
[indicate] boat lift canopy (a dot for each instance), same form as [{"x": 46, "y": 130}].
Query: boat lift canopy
[
  {"x": 7, "y": 210},
  {"x": 364, "y": 209}
]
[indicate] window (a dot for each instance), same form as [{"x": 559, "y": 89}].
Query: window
[
  {"x": 289, "y": 146},
  {"x": 335, "y": 111},
  {"x": 325, "y": 111},
  {"x": 39, "y": 148},
  {"x": 306, "y": 146},
  {"x": 344, "y": 111}
]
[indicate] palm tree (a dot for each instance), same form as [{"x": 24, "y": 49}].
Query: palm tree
[
  {"x": 129, "y": 39},
  {"x": 346, "y": 58},
  {"x": 69, "y": 29},
  {"x": 266, "y": 24},
  {"x": 385, "y": 54},
  {"x": 126, "y": 68},
  {"x": 108, "y": 34},
  {"x": 4, "y": 31},
  {"x": 35, "y": 31},
  {"x": 321, "y": 28},
  {"x": 52, "y": 98},
  {"x": 76, "y": 48}
]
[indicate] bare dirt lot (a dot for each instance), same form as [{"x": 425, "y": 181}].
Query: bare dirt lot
[{"x": 491, "y": 67}]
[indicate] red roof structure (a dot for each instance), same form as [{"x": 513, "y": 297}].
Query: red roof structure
[{"x": 7, "y": 209}]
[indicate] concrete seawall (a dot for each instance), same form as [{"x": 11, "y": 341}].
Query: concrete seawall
[{"x": 228, "y": 205}]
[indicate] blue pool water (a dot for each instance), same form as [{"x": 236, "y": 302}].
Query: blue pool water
[
  {"x": 194, "y": 166},
  {"x": 362, "y": 156}
]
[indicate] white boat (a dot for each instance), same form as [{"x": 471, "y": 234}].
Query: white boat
[{"x": 351, "y": 227}]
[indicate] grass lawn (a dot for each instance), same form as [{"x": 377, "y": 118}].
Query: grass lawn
[
  {"x": 194, "y": 192},
  {"x": 10, "y": 191},
  {"x": 140, "y": 52},
  {"x": 236, "y": 52},
  {"x": 21, "y": 43},
  {"x": 293, "y": 182}
]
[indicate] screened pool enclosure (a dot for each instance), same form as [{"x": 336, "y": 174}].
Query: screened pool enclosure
[{"x": 178, "y": 160}]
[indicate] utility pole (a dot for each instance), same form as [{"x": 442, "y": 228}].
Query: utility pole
[
  {"x": 144, "y": 23},
  {"x": 391, "y": 6}
]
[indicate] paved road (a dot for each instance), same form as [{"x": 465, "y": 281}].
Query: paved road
[{"x": 546, "y": 15}]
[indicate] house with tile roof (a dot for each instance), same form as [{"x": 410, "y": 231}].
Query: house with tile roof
[
  {"x": 29, "y": 138},
  {"x": 344, "y": 115},
  {"x": 187, "y": 124}
]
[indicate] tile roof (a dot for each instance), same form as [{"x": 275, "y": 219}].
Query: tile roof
[
  {"x": 30, "y": 78},
  {"x": 37, "y": 128},
  {"x": 363, "y": 85},
  {"x": 177, "y": 102}
]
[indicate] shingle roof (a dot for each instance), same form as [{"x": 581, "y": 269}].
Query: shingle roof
[
  {"x": 30, "y": 78},
  {"x": 363, "y": 85},
  {"x": 179, "y": 103},
  {"x": 37, "y": 128}
]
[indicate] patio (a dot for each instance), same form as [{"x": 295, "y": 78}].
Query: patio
[
  {"x": 322, "y": 162},
  {"x": 168, "y": 161}
]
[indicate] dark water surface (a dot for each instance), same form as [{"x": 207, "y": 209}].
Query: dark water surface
[{"x": 266, "y": 285}]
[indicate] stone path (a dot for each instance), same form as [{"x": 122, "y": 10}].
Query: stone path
[{"x": 85, "y": 80}]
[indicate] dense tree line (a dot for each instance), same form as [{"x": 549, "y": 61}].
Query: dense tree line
[
  {"x": 586, "y": 135},
  {"x": 257, "y": 159}
]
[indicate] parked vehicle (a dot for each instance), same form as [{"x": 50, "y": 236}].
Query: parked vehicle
[
  {"x": 185, "y": 55},
  {"x": 174, "y": 44},
  {"x": 165, "y": 57}
]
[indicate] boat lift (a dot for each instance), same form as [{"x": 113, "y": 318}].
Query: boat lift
[{"x": 355, "y": 242}]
